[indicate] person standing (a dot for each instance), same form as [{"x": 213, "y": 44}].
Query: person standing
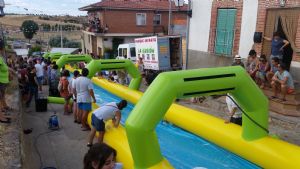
[
  {"x": 84, "y": 92},
  {"x": 77, "y": 116},
  {"x": 39, "y": 73},
  {"x": 3, "y": 83},
  {"x": 109, "y": 111},
  {"x": 54, "y": 80},
  {"x": 32, "y": 85},
  {"x": 65, "y": 91},
  {"x": 234, "y": 112},
  {"x": 277, "y": 46}
]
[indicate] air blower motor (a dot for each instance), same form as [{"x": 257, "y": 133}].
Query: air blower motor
[{"x": 53, "y": 122}]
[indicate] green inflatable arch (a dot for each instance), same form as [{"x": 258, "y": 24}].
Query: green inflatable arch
[
  {"x": 64, "y": 59},
  {"x": 151, "y": 108},
  {"x": 46, "y": 55},
  {"x": 55, "y": 56},
  {"x": 110, "y": 64}
]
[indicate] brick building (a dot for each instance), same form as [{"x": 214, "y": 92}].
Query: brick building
[
  {"x": 113, "y": 22},
  {"x": 220, "y": 29}
]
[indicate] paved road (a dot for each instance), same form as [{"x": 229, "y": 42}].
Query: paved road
[{"x": 62, "y": 149}]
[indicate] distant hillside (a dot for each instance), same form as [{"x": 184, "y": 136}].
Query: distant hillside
[
  {"x": 12, "y": 24},
  {"x": 15, "y": 21}
]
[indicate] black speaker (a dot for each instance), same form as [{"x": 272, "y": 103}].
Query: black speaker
[
  {"x": 1, "y": 44},
  {"x": 41, "y": 105},
  {"x": 257, "y": 37}
]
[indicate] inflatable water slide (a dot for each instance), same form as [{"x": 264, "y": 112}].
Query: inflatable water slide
[{"x": 157, "y": 133}]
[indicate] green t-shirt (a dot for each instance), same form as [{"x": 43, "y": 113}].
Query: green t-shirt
[{"x": 3, "y": 71}]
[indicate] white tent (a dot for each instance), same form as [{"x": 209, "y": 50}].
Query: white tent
[
  {"x": 64, "y": 50},
  {"x": 21, "y": 52}
]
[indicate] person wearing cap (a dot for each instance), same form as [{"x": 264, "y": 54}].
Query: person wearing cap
[{"x": 238, "y": 61}]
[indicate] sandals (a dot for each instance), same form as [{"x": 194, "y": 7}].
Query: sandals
[
  {"x": 274, "y": 97},
  {"x": 89, "y": 145},
  {"x": 7, "y": 121},
  {"x": 8, "y": 108},
  {"x": 85, "y": 129}
]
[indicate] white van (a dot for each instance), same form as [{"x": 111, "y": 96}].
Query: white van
[{"x": 127, "y": 51}]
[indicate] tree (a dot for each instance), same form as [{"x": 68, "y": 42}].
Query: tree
[
  {"x": 72, "y": 44},
  {"x": 29, "y": 28},
  {"x": 36, "y": 48},
  {"x": 55, "y": 42}
]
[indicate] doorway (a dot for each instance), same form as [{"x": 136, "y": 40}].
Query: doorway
[{"x": 287, "y": 51}]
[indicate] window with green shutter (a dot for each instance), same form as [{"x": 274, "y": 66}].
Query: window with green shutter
[{"x": 225, "y": 31}]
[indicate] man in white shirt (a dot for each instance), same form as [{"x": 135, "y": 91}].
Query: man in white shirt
[
  {"x": 39, "y": 73},
  {"x": 234, "y": 112},
  {"x": 77, "y": 116},
  {"x": 109, "y": 111},
  {"x": 84, "y": 92}
]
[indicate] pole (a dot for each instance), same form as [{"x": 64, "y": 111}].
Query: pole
[
  {"x": 187, "y": 35},
  {"x": 170, "y": 13},
  {"x": 61, "y": 38}
]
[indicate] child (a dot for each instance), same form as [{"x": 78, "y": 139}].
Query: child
[
  {"x": 101, "y": 156},
  {"x": 262, "y": 67},
  {"x": 234, "y": 112},
  {"x": 104, "y": 113}
]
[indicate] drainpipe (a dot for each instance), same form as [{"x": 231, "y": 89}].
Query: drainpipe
[
  {"x": 170, "y": 16},
  {"x": 187, "y": 35}
]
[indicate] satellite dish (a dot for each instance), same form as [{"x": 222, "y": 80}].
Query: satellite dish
[{"x": 179, "y": 3}]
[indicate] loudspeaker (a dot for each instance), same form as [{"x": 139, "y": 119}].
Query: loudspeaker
[
  {"x": 1, "y": 44},
  {"x": 41, "y": 105},
  {"x": 257, "y": 37}
]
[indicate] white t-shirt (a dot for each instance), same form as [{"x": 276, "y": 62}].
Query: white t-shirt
[
  {"x": 73, "y": 86},
  {"x": 231, "y": 105},
  {"x": 83, "y": 86},
  {"x": 39, "y": 70},
  {"x": 107, "y": 111}
]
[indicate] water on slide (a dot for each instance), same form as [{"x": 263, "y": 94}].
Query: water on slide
[{"x": 181, "y": 148}]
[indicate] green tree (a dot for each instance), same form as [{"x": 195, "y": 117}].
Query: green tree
[
  {"x": 29, "y": 28},
  {"x": 72, "y": 44},
  {"x": 36, "y": 48},
  {"x": 55, "y": 41}
]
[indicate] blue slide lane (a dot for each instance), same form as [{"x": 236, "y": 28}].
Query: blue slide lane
[{"x": 183, "y": 149}]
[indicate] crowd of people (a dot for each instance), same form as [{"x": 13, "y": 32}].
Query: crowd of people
[
  {"x": 33, "y": 73},
  {"x": 267, "y": 73}
]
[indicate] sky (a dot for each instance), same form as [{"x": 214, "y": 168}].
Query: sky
[{"x": 50, "y": 7}]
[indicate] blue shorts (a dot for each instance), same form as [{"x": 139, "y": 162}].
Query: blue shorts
[
  {"x": 98, "y": 124},
  {"x": 85, "y": 106},
  {"x": 40, "y": 80}
]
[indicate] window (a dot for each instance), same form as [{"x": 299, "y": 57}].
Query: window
[
  {"x": 157, "y": 19},
  {"x": 132, "y": 52},
  {"x": 140, "y": 19},
  {"x": 125, "y": 53},
  {"x": 120, "y": 52}
]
